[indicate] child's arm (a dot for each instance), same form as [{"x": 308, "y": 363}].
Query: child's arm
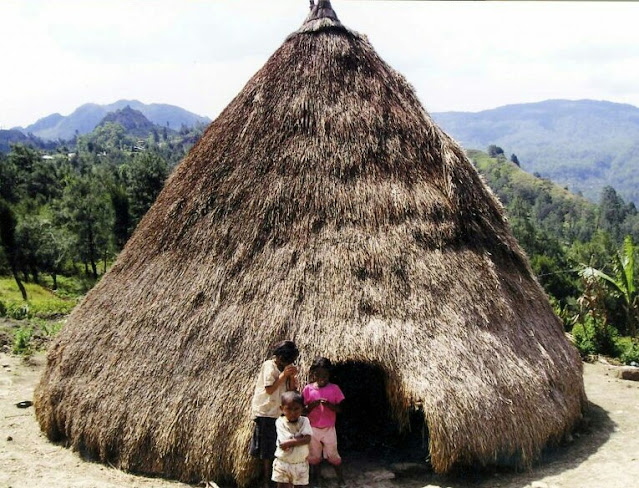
[
  {"x": 293, "y": 383},
  {"x": 289, "y": 370},
  {"x": 335, "y": 407},
  {"x": 312, "y": 405},
  {"x": 298, "y": 441},
  {"x": 337, "y": 396}
]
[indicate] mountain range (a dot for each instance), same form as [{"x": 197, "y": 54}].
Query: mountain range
[
  {"x": 86, "y": 117},
  {"x": 583, "y": 144}
]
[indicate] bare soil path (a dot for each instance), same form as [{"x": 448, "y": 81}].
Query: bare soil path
[{"x": 603, "y": 454}]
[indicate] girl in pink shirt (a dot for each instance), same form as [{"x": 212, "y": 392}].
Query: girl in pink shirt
[{"x": 322, "y": 401}]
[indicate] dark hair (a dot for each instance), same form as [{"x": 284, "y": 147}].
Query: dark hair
[
  {"x": 292, "y": 397},
  {"x": 287, "y": 350},
  {"x": 321, "y": 362}
]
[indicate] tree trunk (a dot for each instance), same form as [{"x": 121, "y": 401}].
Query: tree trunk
[
  {"x": 14, "y": 271},
  {"x": 34, "y": 273},
  {"x": 54, "y": 277},
  {"x": 92, "y": 253}
]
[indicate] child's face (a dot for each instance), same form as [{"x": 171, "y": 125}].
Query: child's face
[
  {"x": 322, "y": 376},
  {"x": 281, "y": 362},
  {"x": 292, "y": 411}
]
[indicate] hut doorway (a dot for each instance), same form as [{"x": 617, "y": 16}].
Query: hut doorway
[{"x": 366, "y": 426}]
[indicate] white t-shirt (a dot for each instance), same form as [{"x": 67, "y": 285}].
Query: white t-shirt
[
  {"x": 263, "y": 404},
  {"x": 288, "y": 430}
]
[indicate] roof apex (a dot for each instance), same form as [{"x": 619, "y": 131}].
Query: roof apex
[{"x": 321, "y": 9}]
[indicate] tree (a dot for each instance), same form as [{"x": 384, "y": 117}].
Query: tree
[
  {"x": 8, "y": 180},
  {"x": 145, "y": 177},
  {"x": 7, "y": 239},
  {"x": 43, "y": 181},
  {"x": 121, "y": 215},
  {"x": 521, "y": 223},
  {"x": 87, "y": 213},
  {"x": 612, "y": 212},
  {"x": 495, "y": 151},
  {"x": 514, "y": 159},
  {"x": 27, "y": 236},
  {"x": 23, "y": 159},
  {"x": 44, "y": 246},
  {"x": 623, "y": 282}
]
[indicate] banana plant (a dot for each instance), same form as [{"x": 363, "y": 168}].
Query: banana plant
[{"x": 623, "y": 282}]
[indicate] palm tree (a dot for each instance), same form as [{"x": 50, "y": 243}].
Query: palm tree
[{"x": 623, "y": 283}]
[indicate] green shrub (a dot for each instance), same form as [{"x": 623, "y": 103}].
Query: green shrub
[
  {"x": 629, "y": 349},
  {"x": 17, "y": 310},
  {"x": 592, "y": 337},
  {"x": 22, "y": 340},
  {"x": 49, "y": 329}
]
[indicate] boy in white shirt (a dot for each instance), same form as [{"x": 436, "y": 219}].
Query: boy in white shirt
[{"x": 294, "y": 431}]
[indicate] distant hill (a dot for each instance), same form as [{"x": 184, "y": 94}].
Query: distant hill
[
  {"x": 12, "y": 136},
  {"x": 85, "y": 118},
  {"x": 8, "y": 137},
  {"x": 582, "y": 144},
  {"x": 44, "y": 123},
  {"x": 133, "y": 121}
]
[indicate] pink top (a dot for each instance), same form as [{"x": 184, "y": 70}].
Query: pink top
[{"x": 322, "y": 416}]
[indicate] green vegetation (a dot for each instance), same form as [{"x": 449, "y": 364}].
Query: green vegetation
[
  {"x": 42, "y": 302},
  {"x": 22, "y": 340},
  {"x": 66, "y": 213},
  {"x": 583, "y": 254}
]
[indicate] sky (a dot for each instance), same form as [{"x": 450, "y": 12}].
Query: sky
[{"x": 198, "y": 54}]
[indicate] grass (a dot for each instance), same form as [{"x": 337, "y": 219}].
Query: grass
[
  {"x": 30, "y": 325},
  {"x": 41, "y": 303}
]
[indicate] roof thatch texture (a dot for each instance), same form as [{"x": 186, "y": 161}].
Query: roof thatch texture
[{"x": 325, "y": 206}]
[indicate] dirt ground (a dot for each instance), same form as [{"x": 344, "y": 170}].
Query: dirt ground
[{"x": 604, "y": 452}]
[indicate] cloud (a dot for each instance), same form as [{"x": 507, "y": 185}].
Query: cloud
[{"x": 199, "y": 54}]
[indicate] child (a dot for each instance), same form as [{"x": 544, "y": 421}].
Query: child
[
  {"x": 277, "y": 375},
  {"x": 290, "y": 467},
  {"x": 322, "y": 400}
]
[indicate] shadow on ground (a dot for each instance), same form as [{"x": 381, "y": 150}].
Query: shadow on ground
[{"x": 593, "y": 432}]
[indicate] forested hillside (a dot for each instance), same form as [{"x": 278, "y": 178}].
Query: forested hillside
[
  {"x": 585, "y": 144},
  {"x": 78, "y": 204},
  {"x": 583, "y": 253}
]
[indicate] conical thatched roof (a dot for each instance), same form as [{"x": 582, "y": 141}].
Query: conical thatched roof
[{"x": 325, "y": 206}]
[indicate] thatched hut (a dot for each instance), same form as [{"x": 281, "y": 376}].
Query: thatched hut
[{"x": 323, "y": 205}]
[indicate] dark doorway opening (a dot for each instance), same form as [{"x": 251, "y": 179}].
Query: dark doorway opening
[{"x": 366, "y": 426}]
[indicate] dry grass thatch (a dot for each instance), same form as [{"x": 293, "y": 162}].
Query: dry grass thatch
[{"x": 323, "y": 205}]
